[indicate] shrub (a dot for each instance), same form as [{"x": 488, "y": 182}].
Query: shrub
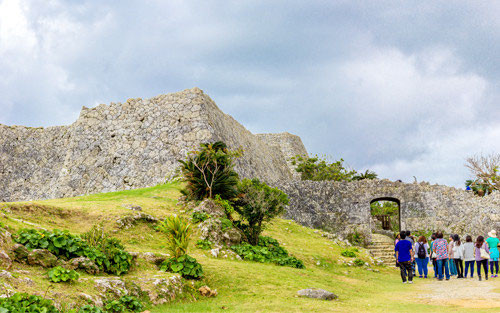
[
  {"x": 257, "y": 203},
  {"x": 359, "y": 262},
  {"x": 356, "y": 238},
  {"x": 225, "y": 204},
  {"x": 349, "y": 253},
  {"x": 124, "y": 304},
  {"x": 23, "y": 302},
  {"x": 204, "y": 244},
  {"x": 226, "y": 223},
  {"x": 318, "y": 169},
  {"x": 110, "y": 256},
  {"x": 60, "y": 243},
  {"x": 90, "y": 309},
  {"x": 267, "y": 251},
  {"x": 185, "y": 265},
  {"x": 200, "y": 216},
  {"x": 118, "y": 261},
  {"x": 178, "y": 232},
  {"x": 209, "y": 172},
  {"x": 60, "y": 274},
  {"x": 95, "y": 236}
]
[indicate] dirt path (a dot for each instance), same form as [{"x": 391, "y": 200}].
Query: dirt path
[{"x": 467, "y": 293}]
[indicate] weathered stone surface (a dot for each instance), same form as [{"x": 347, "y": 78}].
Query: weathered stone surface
[
  {"x": 113, "y": 286},
  {"x": 163, "y": 290},
  {"x": 316, "y": 294},
  {"x": 224, "y": 253},
  {"x": 129, "y": 145},
  {"x": 211, "y": 208},
  {"x": 128, "y": 221},
  {"x": 155, "y": 258},
  {"x": 207, "y": 292},
  {"x": 5, "y": 238},
  {"x": 289, "y": 145},
  {"x": 20, "y": 252},
  {"x": 132, "y": 207},
  {"x": 212, "y": 229},
  {"x": 42, "y": 257},
  {"x": 5, "y": 260},
  {"x": 343, "y": 207},
  {"x": 83, "y": 263},
  {"x": 231, "y": 237}
]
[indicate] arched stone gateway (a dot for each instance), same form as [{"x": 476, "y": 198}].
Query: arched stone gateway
[
  {"x": 344, "y": 207},
  {"x": 398, "y": 221}
]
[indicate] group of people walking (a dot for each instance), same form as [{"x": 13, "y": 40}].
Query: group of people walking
[{"x": 447, "y": 257}]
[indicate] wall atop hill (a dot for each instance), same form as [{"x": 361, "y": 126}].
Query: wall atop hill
[
  {"x": 127, "y": 145},
  {"x": 343, "y": 207}
]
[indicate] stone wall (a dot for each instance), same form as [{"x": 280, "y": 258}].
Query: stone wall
[
  {"x": 343, "y": 207},
  {"x": 125, "y": 145},
  {"x": 289, "y": 145}
]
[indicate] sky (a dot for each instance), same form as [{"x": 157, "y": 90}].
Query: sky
[{"x": 408, "y": 89}]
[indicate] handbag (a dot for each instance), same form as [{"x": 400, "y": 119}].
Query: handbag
[{"x": 484, "y": 254}]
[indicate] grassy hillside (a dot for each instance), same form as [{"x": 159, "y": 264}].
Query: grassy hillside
[{"x": 242, "y": 286}]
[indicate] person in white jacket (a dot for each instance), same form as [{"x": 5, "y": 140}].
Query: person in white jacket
[
  {"x": 458, "y": 256},
  {"x": 469, "y": 257}
]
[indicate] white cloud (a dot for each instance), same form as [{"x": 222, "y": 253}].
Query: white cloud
[{"x": 402, "y": 89}]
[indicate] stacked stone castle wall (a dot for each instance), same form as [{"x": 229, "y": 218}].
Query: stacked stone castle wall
[
  {"x": 126, "y": 145},
  {"x": 344, "y": 207}
]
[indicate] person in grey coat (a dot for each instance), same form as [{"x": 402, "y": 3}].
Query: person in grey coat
[{"x": 469, "y": 256}]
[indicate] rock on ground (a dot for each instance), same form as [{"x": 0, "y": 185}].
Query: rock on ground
[
  {"x": 20, "y": 252},
  {"x": 83, "y": 263},
  {"x": 207, "y": 292},
  {"x": 42, "y": 257},
  {"x": 317, "y": 294},
  {"x": 5, "y": 260}
]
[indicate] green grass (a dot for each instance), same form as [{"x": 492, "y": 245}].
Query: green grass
[{"x": 242, "y": 286}]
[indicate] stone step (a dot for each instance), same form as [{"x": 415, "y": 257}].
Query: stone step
[
  {"x": 381, "y": 247},
  {"x": 381, "y": 244}
]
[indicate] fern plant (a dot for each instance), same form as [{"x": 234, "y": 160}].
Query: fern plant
[{"x": 178, "y": 231}]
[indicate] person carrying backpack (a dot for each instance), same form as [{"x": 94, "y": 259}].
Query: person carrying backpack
[{"x": 422, "y": 249}]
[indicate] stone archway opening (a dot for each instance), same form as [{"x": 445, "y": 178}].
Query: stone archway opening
[{"x": 386, "y": 213}]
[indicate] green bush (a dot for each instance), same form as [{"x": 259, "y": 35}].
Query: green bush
[
  {"x": 267, "y": 251},
  {"x": 59, "y": 274},
  {"x": 319, "y": 169},
  {"x": 118, "y": 261},
  {"x": 256, "y": 204},
  {"x": 209, "y": 172},
  {"x": 178, "y": 232},
  {"x": 204, "y": 244},
  {"x": 23, "y": 302},
  {"x": 225, "y": 204},
  {"x": 185, "y": 265},
  {"x": 110, "y": 256},
  {"x": 95, "y": 236},
  {"x": 349, "y": 253},
  {"x": 359, "y": 262},
  {"x": 90, "y": 309},
  {"x": 356, "y": 238},
  {"x": 124, "y": 304},
  {"x": 199, "y": 217},
  {"x": 226, "y": 223}
]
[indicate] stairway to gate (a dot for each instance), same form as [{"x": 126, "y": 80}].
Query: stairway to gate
[{"x": 382, "y": 247}]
